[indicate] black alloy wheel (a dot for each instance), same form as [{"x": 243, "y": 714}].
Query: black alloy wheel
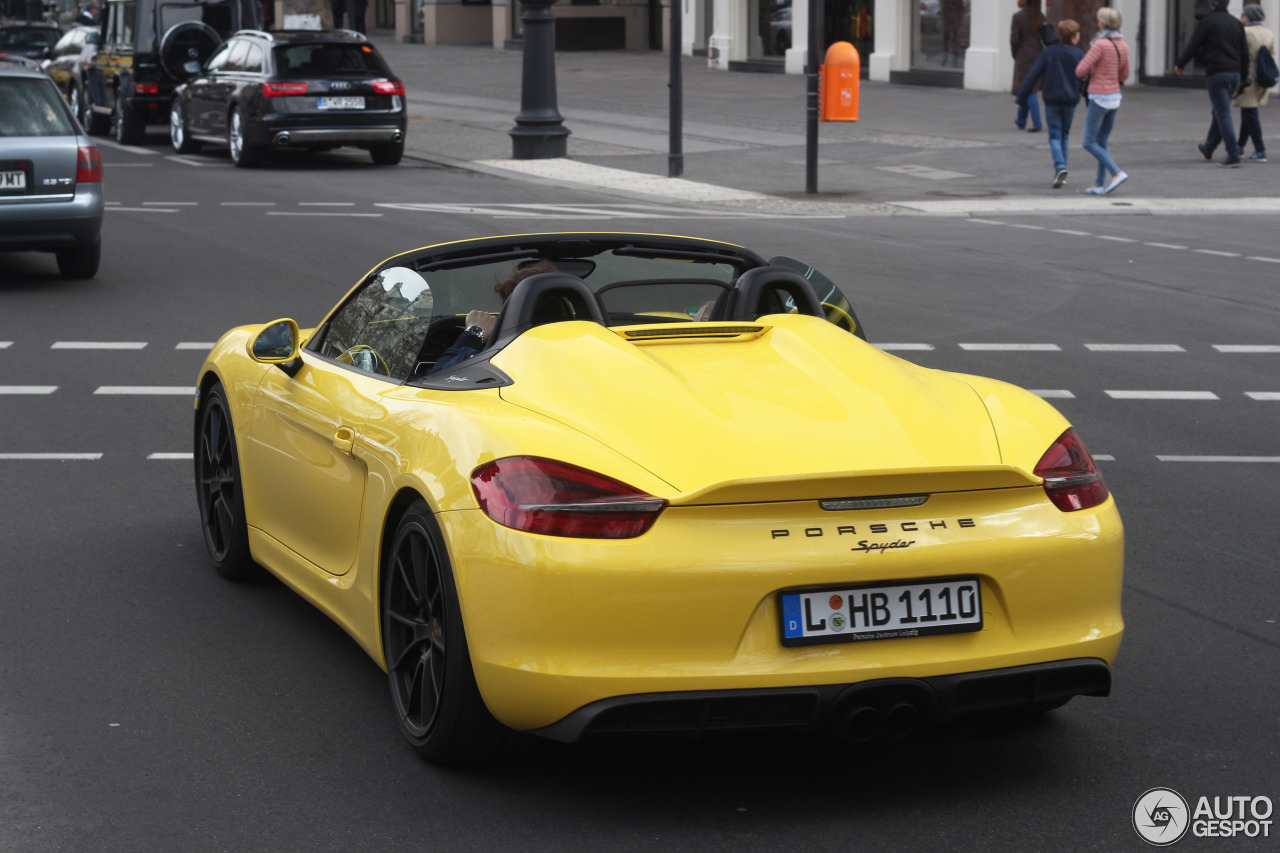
[
  {"x": 222, "y": 517},
  {"x": 178, "y": 133},
  {"x": 242, "y": 154},
  {"x": 432, "y": 684}
]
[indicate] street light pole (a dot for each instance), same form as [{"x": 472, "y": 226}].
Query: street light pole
[
  {"x": 811, "y": 105},
  {"x": 539, "y": 133},
  {"x": 675, "y": 109}
]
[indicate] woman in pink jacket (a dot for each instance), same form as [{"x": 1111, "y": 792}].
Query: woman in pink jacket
[{"x": 1105, "y": 64}]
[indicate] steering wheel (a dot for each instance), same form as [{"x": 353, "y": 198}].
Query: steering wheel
[
  {"x": 366, "y": 358},
  {"x": 844, "y": 315}
]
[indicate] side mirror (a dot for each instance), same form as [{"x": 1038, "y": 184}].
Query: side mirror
[
  {"x": 275, "y": 343},
  {"x": 191, "y": 67}
]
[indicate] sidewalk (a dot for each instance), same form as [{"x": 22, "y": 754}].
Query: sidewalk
[{"x": 915, "y": 149}]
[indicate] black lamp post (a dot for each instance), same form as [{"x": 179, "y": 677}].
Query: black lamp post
[{"x": 539, "y": 133}]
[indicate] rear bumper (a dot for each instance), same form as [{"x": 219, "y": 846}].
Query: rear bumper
[
  {"x": 49, "y": 225},
  {"x": 335, "y": 135},
  {"x": 883, "y": 707}
]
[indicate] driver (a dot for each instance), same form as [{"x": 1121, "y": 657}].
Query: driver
[{"x": 478, "y": 325}]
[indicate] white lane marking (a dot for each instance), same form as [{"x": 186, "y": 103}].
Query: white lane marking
[
  {"x": 128, "y": 165},
  {"x": 248, "y": 204},
  {"x": 192, "y": 456},
  {"x": 984, "y": 221},
  {"x": 147, "y": 390},
  {"x": 194, "y": 345},
  {"x": 1028, "y": 227},
  {"x": 143, "y": 209},
  {"x": 112, "y": 203},
  {"x": 1217, "y": 253},
  {"x": 131, "y": 148},
  {"x": 1263, "y": 395},
  {"x": 98, "y": 345},
  {"x": 335, "y": 213},
  {"x": 1234, "y": 348},
  {"x": 1116, "y": 239},
  {"x": 192, "y": 161},
  {"x": 170, "y": 203},
  {"x": 28, "y": 389},
  {"x": 5, "y": 344},
  {"x": 1103, "y": 457},
  {"x": 326, "y": 204},
  {"x": 1134, "y": 348},
  {"x": 1073, "y": 234},
  {"x": 47, "y": 456},
  {"x": 1162, "y": 395},
  {"x": 905, "y": 347},
  {"x": 1012, "y": 347},
  {"x": 1054, "y": 394},
  {"x": 1165, "y": 245},
  {"x": 1218, "y": 458},
  {"x": 1264, "y": 260}
]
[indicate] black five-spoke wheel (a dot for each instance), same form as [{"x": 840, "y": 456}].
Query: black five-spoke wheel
[
  {"x": 432, "y": 684},
  {"x": 222, "y": 519}
]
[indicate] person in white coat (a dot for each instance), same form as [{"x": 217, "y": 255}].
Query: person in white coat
[{"x": 1253, "y": 96}]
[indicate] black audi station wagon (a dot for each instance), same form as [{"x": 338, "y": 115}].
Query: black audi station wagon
[{"x": 291, "y": 88}]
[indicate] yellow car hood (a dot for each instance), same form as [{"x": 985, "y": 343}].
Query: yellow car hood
[{"x": 790, "y": 400}]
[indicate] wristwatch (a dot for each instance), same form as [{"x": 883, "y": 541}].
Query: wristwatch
[{"x": 476, "y": 331}]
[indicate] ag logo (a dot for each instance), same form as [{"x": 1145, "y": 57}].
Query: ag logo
[{"x": 1161, "y": 817}]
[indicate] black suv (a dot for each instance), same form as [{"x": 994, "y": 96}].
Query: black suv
[
  {"x": 142, "y": 53},
  {"x": 307, "y": 89}
]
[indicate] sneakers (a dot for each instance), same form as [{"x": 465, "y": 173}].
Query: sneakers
[
  {"x": 1232, "y": 161},
  {"x": 1205, "y": 150},
  {"x": 1034, "y": 129},
  {"x": 1060, "y": 177},
  {"x": 1095, "y": 191},
  {"x": 1256, "y": 157},
  {"x": 1116, "y": 181}
]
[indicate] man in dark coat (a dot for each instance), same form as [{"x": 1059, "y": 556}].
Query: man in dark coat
[{"x": 1220, "y": 42}]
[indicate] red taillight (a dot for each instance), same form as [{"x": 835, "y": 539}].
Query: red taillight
[
  {"x": 281, "y": 90},
  {"x": 1071, "y": 479},
  {"x": 88, "y": 165},
  {"x": 388, "y": 87},
  {"x": 558, "y": 499},
  {"x": 147, "y": 88}
]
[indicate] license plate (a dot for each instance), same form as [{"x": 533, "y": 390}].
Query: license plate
[
  {"x": 880, "y": 612},
  {"x": 343, "y": 103},
  {"x": 13, "y": 181}
]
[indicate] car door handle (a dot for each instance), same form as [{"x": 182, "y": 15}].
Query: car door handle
[{"x": 344, "y": 438}]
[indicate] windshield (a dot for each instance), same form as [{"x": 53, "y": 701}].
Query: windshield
[{"x": 28, "y": 36}]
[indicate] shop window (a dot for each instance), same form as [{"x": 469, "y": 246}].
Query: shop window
[{"x": 940, "y": 35}]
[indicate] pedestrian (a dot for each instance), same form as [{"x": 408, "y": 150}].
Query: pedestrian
[
  {"x": 339, "y": 8},
  {"x": 1219, "y": 41},
  {"x": 356, "y": 10},
  {"x": 1254, "y": 95},
  {"x": 1105, "y": 65},
  {"x": 1056, "y": 67},
  {"x": 1026, "y": 43}
]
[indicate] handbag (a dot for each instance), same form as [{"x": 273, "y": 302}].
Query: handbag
[{"x": 1265, "y": 72}]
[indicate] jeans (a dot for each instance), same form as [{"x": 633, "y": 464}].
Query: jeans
[
  {"x": 1033, "y": 107},
  {"x": 1222, "y": 88},
  {"x": 1098, "y": 122},
  {"x": 1251, "y": 128},
  {"x": 1059, "y": 120}
]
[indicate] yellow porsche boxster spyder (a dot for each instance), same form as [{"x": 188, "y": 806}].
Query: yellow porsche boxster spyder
[{"x": 671, "y": 489}]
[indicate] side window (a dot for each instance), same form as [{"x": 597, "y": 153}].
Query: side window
[
  {"x": 67, "y": 44},
  {"x": 219, "y": 58},
  {"x": 381, "y": 329},
  {"x": 236, "y": 59},
  {"x": 128, "y": 12},
  {"x": 253, "y": 62}
]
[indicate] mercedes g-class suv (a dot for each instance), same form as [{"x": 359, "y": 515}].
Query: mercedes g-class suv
[{"x": 144, "y": 48}]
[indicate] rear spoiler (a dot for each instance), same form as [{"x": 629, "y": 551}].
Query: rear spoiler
[{"x": 854, "y": 484}]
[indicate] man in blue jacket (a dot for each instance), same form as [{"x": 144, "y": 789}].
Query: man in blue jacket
[
  {"x": 1057, "y": 65},
  {"x": 1223, "y": 49}
]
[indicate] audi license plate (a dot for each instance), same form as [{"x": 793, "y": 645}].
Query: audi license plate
[
  {"x": 342, "y": 103},
  {"x": 880, "y": 612},
  {"x": 11, "y": 182}
]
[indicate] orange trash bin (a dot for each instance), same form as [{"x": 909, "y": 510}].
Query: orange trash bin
[{"x": 839, "y": 76}]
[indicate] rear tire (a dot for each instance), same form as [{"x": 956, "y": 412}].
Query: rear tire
[
  {"x": 127, "y": 126},
  {"x": 433, "y": 688},
  {"x": 218, "y": 488},
  {"x": 91, "y": 122},
  {"x": 387, "y": 155},
  {"x": 80, "y": 262},
  {"x": 242, "y": 154}
]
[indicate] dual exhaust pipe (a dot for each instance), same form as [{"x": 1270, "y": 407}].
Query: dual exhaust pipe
[{"x": 892, "y": 711}]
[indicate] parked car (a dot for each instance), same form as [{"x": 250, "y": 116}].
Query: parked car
[
  {"x": 306, "y": 89},
  {"x": 671, "y": 490},
  {"x": 50, "y": 173},
  {"x": 144, "y": 48},
  {"x": 66, "y": 62},
  {"x": 30, "y": 40}
]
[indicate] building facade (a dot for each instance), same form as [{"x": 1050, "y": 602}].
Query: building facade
[{"x": 959, "y": 43}]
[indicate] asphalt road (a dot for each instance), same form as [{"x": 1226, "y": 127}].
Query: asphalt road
[{"x": 147, "y": 705}]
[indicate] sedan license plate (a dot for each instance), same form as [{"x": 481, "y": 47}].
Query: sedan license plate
[
  {"x": 13, "y": 182},
  {"x": 340, "y": 103},
  {"x": 880, "y": 612}
]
